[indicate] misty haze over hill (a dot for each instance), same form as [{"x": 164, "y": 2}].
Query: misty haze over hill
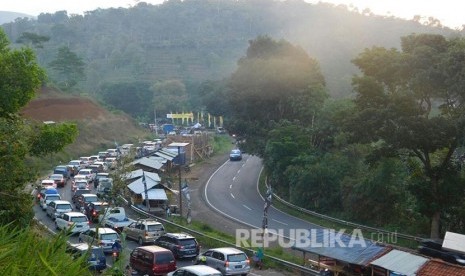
[
  {"x": 8, "y": 16},
  {"x": 194, "y": 41}
]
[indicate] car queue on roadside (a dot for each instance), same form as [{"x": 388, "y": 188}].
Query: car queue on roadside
[{"x": 150, "y": 235}]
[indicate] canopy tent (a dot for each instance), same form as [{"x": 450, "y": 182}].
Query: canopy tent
[
  {"x": 138, "y": 174},
  {"x": 352, "y": 249},
  {"x": 156, "y": 194},
  {"x": 138, "y": 186},
  {"x": 148, "y": 162},
  {"x": 400, "y": 262}
]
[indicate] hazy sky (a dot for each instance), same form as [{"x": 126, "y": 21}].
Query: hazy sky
[{"x": 449, "y": 12}]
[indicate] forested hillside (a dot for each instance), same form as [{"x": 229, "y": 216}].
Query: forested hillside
[{"x": 194, "y": 41}]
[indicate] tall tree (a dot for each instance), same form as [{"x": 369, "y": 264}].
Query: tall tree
[
  {"x": 274, "y": 81},
  {"x": 32, "y": 39},
  {"x": 69, "y": 66},
  {"x": 411, "y": 103},
  {"x": 170, "y": 96},
  {"x": 21, "y": 76}
]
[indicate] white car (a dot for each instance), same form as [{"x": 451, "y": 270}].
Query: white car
[
  {"x": 75, "y": 222},
  {"x": 47, "y": 198},
  {"x": 87, "y": 161},
  {"x": 48, "y": 183},
  {"x": 112, "y": 152},
  {"x": 80, "y": 182},
  {"x": 111, "y": 162},
  {"x": 79, "y": 164},
  {"x": 103, "y": 164},
  {"x": 196, "y": 270},
  {"x": 103, "y": 237},
  {"x": 88, "y": 173},
  {"x": 57, "y": 207}
]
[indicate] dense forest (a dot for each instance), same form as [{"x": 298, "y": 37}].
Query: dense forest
[
  {"x": 355, "y": 115},
  {"x": 194, "y": 41}
]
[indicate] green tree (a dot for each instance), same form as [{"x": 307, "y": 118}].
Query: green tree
[
  {"x": 33, "y": 39},
  {"x": 52, "y": 138},
  {"x": 69, "y": 66},
  {"x": 20, "y": 77},
  {"x": 274, "y": 81},
  {"x": 170, "y": 96},
  {"x": 377, "y": 195},
  {"x": 133, "y": 98},
  {"x": 410, "y": 104},
  {"x": 25, "y": 253}
]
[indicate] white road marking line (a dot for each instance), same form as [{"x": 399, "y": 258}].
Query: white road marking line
[
  {"x": 234, "y": 178},
  {"x": 283, "y": 223},
  {"x": 232, "y": 195},
  {"x": 247, "y": 207},
  {"x": 230, "y": 186}
]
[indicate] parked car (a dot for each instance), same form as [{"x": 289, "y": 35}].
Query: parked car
[
  {"x": 63, "y": 170},
  {"x": 80, "y": 183},
  {"x": 228, "y": 260},
  {"x": 220, "y": 130},
  {"x": 47, "y": 183},
  {"x": 112, "y": 152},
  {"x": 74, "y": 222},
  {"x": 152, "y": 260},
  {"x": 87, "y": 161},
  {"x": 196, "y": 270},
  {"x": 115, "y": 218},
  {"x": 98, "y": 176},
  {"x": 103, "y": 237},
  {"x": 235, "y": 155},
  {"x": 103, "y": 164},
  {"x": 433, "y": 248},
  {"x": 144, "y": 230},
  {"x": 88, "y": 173},
  {"x": 82, "y": 200},
  {"x": 45, "y": 190},
  {"x": 94, "y": 158},
  {"x": 102, "y": 155},
  {"x": 95, "y": 256},
  {"x": 94, "y": 209},
  {"x": 111, "y": 162},
  {"x": 182, "y": 245},
  {"x": 79, "y": 164},
  {"x": 59, "y": 179},
  {"x": 95, "y": 169},
  {"x": 104, "y": 187},
  {"x": 45, "y": 199},
  {"x": 57, "y": 207},
  {"x": 79, "y": 192}
]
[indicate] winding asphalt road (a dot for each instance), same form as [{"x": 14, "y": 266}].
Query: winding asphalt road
[{"x": 233, "y": 191}]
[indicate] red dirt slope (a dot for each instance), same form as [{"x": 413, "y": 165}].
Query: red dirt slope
[{"x": 48, "y": 107}]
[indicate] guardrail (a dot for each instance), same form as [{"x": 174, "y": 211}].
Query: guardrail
[
  {"x": 302, "y": 269},
  {"x": 348, "y": 223}
]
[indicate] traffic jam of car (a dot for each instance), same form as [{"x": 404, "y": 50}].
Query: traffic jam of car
[{"x": 85, "y": 213}]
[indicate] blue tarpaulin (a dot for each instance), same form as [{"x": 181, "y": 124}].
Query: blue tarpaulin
[{"x": 350, "y": 248}]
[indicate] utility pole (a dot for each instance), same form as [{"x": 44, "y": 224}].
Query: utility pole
[
  {"x": 155, "y": 120},
  {"x": 147, "y": 203},
  {"x": 180, "y": 163}
]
